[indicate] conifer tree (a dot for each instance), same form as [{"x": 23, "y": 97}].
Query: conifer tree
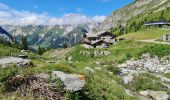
[
  {"x": 40, "y": 50},
  {"x": 24, "y": 44}
]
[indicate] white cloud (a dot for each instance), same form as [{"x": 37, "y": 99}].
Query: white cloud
[{"x": 9, "y": 16}]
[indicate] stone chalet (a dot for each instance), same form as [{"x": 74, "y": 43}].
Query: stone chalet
[
  {"x": 166, "y": 37},
  {"x": 162, "y": 24},
  {"x": 98, "y": 40}
]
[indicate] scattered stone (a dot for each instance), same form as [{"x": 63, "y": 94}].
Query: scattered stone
[
  {"x": 128, "y": 92},
  {"x": 89, "y": 69},
  {"x": 72, "y": 82},
  {"x": 144, "y": 93},
  {"x": 128, "y": 79},
  {"x": 14, "y": 60},
  {"x": 158, "y": 95},
  {"x": 98, "y": 63},
  {"x": 95, "y": 53},
  {"x": 98, "y": 68},
  {"x": 153, "y": 64},
  {"x": 69, "y": 58}
]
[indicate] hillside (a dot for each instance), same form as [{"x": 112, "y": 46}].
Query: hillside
[
  {"x": 105, "y": 79},
  {"x": 155, "y": 33},
  {"x": 139, "y": 8}
]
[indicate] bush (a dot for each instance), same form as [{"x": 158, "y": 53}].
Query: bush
[
  {"x": 142, "y": 83},
  {"x": 167, "y": 75},
  {"x": 78, "y": 95},
  {"x": 115, "y": 70},
  {"x": 7, "y": 73}
]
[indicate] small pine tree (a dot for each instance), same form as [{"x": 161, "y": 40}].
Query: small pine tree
[
  {"x": 40, "y": 50},
  {"x": 64, "y": 45},
  {"x": 24, "y": 44}
]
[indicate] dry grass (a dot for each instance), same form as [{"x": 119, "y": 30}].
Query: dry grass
[
  {"x": 143, "y": 35},
  {"x": 57, "y": 53}
]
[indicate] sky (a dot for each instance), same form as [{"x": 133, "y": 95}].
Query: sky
[{"x": 57, "y": 12}]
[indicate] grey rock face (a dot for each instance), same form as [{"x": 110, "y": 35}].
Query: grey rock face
[{"x": 121, "y": 16}]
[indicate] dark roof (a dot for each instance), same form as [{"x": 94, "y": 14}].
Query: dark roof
[
  {"x": 161, "y": 22},
  {"x": 100, "y": 41},
  {"x": 106, "y": 32}
]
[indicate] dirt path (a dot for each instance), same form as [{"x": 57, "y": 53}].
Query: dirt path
[{"x": 154, "y": 41}]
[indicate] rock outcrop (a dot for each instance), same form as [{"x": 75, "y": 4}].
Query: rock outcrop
[
  {"x": 121, "y": 16},
  {"x": 153, "y": 64}
]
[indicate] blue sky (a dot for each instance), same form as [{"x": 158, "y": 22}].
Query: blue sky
[{"x": 62, "y": 8}]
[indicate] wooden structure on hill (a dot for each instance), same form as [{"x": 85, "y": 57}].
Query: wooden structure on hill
[
  {"x": 161, "y": 24},
  {"x": 99, "y": 40}
]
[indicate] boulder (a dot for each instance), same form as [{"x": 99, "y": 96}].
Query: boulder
[
  {"x": 72, "y": 82},
  {"x": 158, "y": 95},
  {"x": 144, "y": 93},
  {"x": 128, "y": 79},
  {"x": 14, "y": 60},
  {"x": 155, "y": 95}
]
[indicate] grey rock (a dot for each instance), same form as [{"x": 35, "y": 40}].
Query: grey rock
[
  {"x": 159, "y": 95},
  {"x": 144, "y": 93},
  {"x": 128, "y": 79},
  {"x": 14, "y": 60},
  {"x": 147, "y": 63},
  {"x": 72, "y": 82}
]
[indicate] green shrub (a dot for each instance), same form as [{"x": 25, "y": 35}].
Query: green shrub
[
  {"x": 113, "y": 69},
  {"x": 167, "y": 75},
  {"x": 128, "y": 55},
  {"x": 78, "y": 95},
  {"x": 7, "y": 73},
  {"x": 142, "y": 83}
]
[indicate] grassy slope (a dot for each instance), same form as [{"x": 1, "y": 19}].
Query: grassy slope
[
  {"x": 8, "y": 51},
  {"x": 155, "y": 33},
  {"x": 99, "y": 85},
  {"x": 120, "y": 53}
]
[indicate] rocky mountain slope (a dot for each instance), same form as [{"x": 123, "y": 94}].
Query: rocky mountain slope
[
  {"x": 138, "y": 7},
  {"x": 5, "y": 35},
  {"x": 50, "y": 36}
]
